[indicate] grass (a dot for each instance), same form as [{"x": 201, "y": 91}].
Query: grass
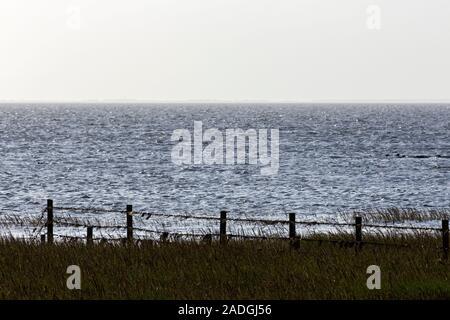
[
  {"x": 394, "y": 214},
  {"x": 247, "y": 269}
]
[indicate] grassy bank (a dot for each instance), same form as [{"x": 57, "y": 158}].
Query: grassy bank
[{"x": 238, "y": 270}]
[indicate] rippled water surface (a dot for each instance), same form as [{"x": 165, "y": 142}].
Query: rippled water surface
[{"x": 332, "y": 157}]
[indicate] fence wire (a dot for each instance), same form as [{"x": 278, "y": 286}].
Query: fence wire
[
  {"x": 148, "y": 215},
  {"x": 12, "y": 217}
]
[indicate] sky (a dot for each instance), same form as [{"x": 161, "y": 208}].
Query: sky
[{"x": 225, "y": 50}]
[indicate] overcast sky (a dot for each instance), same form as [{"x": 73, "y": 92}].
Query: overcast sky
[{"x": 265, "y": 50}]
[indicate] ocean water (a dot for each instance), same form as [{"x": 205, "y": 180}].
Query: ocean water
[{"x": 331, "y": 158}]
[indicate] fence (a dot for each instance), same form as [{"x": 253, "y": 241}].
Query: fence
[{"x": 223, "y": 220}]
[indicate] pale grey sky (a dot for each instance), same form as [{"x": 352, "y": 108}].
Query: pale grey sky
[{"x": 175, "y": 50}]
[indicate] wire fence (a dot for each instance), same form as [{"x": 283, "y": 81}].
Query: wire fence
[
  {"x": 44, "y": 225},
  {"x": 249, "y": 220}
]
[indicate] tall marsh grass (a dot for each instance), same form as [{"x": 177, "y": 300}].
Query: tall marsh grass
[{"x": 333, "y": 268}]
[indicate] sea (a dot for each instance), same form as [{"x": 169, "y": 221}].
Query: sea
[{"x": 332, "y": 158}]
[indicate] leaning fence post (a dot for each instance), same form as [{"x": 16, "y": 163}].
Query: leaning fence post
[
  {"x": 223, "y": 227},
  {"x": 358, "y": 229},
  {"x": 90, "y": 235},
  {"x": 50, "y": 221},
  {"x": 445, "y": 240},
  {"x": 129, "y": 223}
]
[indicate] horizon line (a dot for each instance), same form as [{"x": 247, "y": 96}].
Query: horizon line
[{"x": 218, "y": 101}]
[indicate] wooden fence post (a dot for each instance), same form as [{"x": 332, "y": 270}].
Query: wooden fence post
[
  {"x": 445, "y": 240},
  {"x": 293, "y": 239},
  {"x": 42, "y": 238},
  {"x": 292, "y": 233},
  {"x": 90, "y": 235},
  {"x": 223, "y": 227},
  {"x": 50, "y": 221},
  {"x": 129, "y": 223},
  {"x": 358, "y": 229}
]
